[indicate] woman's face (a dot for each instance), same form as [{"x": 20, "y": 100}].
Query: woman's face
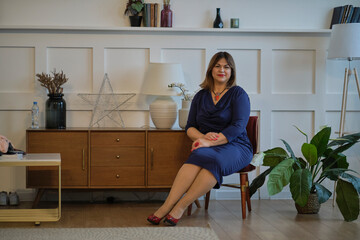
[{"x": 221, "y": 72}]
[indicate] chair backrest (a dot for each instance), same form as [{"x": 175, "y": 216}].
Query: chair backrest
[{"x": 252, "y": 132}]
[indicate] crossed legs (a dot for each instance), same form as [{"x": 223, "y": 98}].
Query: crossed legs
[{"x": 191, "y": 180}]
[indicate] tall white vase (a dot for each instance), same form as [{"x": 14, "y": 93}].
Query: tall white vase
[{"x": 184, "y": 113}]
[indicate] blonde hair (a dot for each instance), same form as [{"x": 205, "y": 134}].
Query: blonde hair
[{"x": 208, "y": 82}]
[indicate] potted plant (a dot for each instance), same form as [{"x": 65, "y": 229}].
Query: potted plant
[
  {"x": 323, "y": 159},
  {"x": 133, "y": 9}
]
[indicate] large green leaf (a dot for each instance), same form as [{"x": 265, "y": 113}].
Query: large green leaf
[
  {"x": 335, "y": 173},
  {"x": 334, "y": 161},
  {"x": 288, "y": 148},
  {"x": 322, "y": 192},
  {"x": 321, "y": 139},
  {"x": 300, "y": 185},
  {"x": 274, "y": 156},
  {"x": 348, "y": 200},
  {"x": 280, "y": 176},
  {"x": 258, "y": 181},
  {"x": 345, "y": 139},
  {"x": 310, "y": 153},
  {"x": 355, "y": 181}
]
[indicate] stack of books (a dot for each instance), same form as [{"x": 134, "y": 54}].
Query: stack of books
[
  {"x": 151, "y": 15},
  {"x": 345, "y": 14}
]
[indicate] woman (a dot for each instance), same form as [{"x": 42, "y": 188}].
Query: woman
[{"x": 217, "y": 125}]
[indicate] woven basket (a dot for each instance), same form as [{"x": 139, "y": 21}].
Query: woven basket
[{"x": 311, "y": 207}]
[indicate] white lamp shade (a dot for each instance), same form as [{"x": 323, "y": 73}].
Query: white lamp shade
[
  {"x": 345, "y": 42},
  {"x": 159, "y": 76}
]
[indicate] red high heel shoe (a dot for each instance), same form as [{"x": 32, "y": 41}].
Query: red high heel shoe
[
  {"x": 170, "y": 220},
  {"x": 154, "y": 219}
]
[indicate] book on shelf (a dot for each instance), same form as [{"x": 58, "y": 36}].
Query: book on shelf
[
  {"x": 355, "y": 16},
  {"x": 146, "y": 15},
  {"x": 337, "y": 13},
  {"x": 156, "y": 16}
]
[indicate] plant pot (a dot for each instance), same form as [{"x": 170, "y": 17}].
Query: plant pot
[
  {"x": 55, "y": 112},
  {"x": 184, "y": 113},
  {"x": 135, "y": 21},
  {"x": 311, "y": 207}
]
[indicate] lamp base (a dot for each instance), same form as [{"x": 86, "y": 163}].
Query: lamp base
[{"x": 163, "y": 112}]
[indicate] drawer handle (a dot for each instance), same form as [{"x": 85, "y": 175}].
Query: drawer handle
[
  {"x": 151, "y": 158},
  {"x": 83, "y": 158},
  {"x": 118, "y": 139},
  {"x": 117, "y": 176},
  {"x": 118, "y": 156}
]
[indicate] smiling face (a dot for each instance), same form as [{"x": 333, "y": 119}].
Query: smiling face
[{"x": 221, "y": 72}]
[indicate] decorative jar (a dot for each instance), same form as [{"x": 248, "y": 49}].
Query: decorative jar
[{"x": 55, "y": 111}]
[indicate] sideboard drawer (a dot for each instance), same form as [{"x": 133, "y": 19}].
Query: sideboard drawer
[
  {"x": 118, "y": 156},
  {"x": 117, "y": 176},
  {"x": 135, "y": 139}
]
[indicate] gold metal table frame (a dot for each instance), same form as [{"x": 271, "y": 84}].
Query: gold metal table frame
[{"x": 32, "y": 215}]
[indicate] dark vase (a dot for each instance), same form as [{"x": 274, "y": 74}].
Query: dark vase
[
  {"x": 166, "y": 16},
  {"x": 135, "y": 21},
  {"x": 218, "y": 23},
  {"x": 55, "y": 111}
]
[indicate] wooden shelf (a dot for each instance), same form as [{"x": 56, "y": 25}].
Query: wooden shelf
[{"x": 159, "y": 29}]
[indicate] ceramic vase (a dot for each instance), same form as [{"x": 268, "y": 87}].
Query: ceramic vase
[
  {"x": 218, "y": 23},
  {"x": 184, "y": 113}
]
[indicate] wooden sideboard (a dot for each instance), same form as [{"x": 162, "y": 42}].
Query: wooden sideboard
[{"x": 99, "y": 158}]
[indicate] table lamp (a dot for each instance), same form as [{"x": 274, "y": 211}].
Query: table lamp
[
  {"x": 163, "y": 110},
  {"x": 345, "y": 45}
]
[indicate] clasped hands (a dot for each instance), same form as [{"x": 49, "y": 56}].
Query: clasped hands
[{"x": 207, "y": 140}]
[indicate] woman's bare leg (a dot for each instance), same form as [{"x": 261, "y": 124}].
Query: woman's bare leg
[
  {"x": 184, "y": 179},
  {"x": 203, "y": 183}
]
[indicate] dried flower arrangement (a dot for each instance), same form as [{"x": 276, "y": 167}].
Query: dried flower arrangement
[
  {"x": 181, "y": 86},
  {"x": 52, "y": 83}
]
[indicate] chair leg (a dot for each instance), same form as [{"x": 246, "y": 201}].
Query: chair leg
[
  {"x": 197, "y": 203},
  {"x": 243, "y": 193},
  {"x": 189, "y": 209},
  {"x": 207, "y": 198},
  {"x": 248, "y": 193}
]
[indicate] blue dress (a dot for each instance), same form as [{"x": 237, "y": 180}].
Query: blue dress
[{"x": 229, "y": 116}]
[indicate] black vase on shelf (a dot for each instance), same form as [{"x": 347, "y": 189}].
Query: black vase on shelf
[
  {"x": 218, "y": 23},
  {"x": 55, "y": 111}
]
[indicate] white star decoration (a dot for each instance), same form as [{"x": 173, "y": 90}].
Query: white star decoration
[{"x": 106, "y": 103}]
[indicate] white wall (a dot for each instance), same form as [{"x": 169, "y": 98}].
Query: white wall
[{"x": 286, "y": 73}]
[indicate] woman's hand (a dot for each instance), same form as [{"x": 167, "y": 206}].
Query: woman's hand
[
  {"x": 209, "y": 140},
  {"x": 201, "y": 142},
  {"x": 211, "y": 136}
]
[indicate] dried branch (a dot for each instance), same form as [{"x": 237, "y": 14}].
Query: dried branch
[{"x": 52, "y": 84}]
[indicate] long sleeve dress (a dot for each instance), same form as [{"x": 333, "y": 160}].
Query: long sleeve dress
[{"x": 228, "y": 116}]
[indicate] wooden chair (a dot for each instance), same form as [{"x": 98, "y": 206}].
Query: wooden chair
[{"x": 252, "y": 132}]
